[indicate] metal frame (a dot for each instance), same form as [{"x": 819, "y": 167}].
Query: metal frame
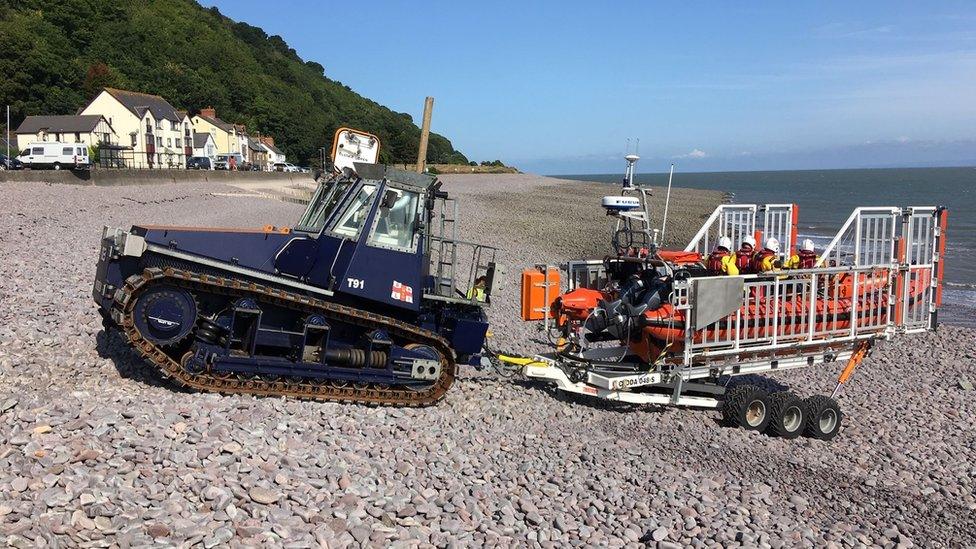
[
  {"x": 883, "y": 279},
  {"x": 737, "y": 221}
]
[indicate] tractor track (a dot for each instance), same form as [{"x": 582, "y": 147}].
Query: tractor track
[{"x": 358, "y": 393}]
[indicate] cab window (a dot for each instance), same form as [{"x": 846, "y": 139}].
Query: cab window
[
  {"x": 321, "y": 206},
  {"x": 396, "y": 220},
  {"x": 352, "y": 218}
]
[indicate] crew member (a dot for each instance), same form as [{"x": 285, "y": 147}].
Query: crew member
[
  {"x": 743, "y": 257},
  {"x": 477, "y": 292},
  {"x": 805, "y": 258},
  {"x": 765, "y": 261},
  {"x": 721, "y": 260}
]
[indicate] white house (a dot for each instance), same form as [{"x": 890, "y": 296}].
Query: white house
[
  {"x": 204, "y": 145},
  {"x": 88, "y": 129},
  {"x": 274, "y": 155}
]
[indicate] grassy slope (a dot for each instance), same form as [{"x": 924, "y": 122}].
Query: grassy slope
[{"x": 59, "y": 53}]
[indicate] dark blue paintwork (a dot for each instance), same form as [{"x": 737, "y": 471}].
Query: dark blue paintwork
[{"x": 373, "y": 278}]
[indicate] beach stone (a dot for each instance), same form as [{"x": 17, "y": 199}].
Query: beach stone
[
  {"x": 158, "y": 530},
  {"x": 18, "y": 484},
  {"x": 499, "y": 462},
  {"x": 263, "y": 495}
]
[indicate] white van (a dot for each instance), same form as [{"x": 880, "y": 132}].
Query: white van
[{"x": 55, "y": 155}]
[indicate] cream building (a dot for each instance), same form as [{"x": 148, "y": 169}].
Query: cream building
[
  {"x": 157, "y": 134},
  {"x": 229, "y": 138}
]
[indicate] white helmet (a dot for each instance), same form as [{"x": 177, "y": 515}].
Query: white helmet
[
  {"x": 772, "y": 244},
  {"x": 750, "y": 241},
  {"x": 725, "y": 242},
  {"x": 806, "y": 245}
]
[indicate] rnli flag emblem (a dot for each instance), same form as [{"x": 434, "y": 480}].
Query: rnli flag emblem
[{"x": 402, "y": 292}]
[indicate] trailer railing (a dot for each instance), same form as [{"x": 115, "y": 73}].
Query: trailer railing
[
  {"x": 738, "y": 221},
  {"x": 880, "y": 275}
]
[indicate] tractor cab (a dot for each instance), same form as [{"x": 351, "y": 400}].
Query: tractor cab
[{"x": 387, "y": 235}]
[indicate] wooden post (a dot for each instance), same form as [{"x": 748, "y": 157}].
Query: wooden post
[{"x": 424, "y": 135}]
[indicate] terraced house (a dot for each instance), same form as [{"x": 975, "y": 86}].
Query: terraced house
[
  {"x": 230, "y": 138},
  {"x": 151, "y": 132}
]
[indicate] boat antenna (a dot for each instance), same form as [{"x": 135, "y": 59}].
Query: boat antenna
[
  {"x": 629, "y": 174},
  {"x": 667, "y": 201}
]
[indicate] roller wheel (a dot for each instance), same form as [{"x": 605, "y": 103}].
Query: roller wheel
[
  {"x": 823, "y": 417},
  {"x": 746, "y": 406},
  {"x": 787, "y": 415}
]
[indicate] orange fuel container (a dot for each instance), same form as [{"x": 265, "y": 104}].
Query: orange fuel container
[{"x": 534, "y": 283}]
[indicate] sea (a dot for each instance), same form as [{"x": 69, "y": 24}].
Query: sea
[{"x": 827, "y": 197}]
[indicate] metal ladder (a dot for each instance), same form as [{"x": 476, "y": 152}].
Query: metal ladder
[{"x": 447, "y": 248}]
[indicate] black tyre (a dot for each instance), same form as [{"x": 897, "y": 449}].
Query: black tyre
[
  {"x": 746, "y": 406},
  {"x": 787, "y": 415},
  {"x": 823, "y": 417},
  {"x": 57, "y": 165}
]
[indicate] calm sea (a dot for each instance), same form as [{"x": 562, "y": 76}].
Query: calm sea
[{"x": 827, "y": 197}]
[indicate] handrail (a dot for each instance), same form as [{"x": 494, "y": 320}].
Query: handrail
[
  {"x": 704, "y": 229},
  {"x": 855, "y": 215}
]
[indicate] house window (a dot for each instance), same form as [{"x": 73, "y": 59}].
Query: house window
[
  {"x": 179, "y": 142},
  {"x": 77, "y": 137},
  {"x": 133, "y": 136},
  {"x": 169, "y": 141},
  {"x": 159, "y": 141}
]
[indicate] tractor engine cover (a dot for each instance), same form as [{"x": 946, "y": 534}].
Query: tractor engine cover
[{"x": 165, "y": 315}]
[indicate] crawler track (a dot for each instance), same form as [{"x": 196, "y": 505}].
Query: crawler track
[{"x": 362, "y": 393}]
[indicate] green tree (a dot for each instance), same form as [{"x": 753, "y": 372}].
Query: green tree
[{"x": 59, "y": 54}]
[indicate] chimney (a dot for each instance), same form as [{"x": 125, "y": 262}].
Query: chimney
[
  {"x": 267, "y": 139},
  {"x": 209, "y": 112}
]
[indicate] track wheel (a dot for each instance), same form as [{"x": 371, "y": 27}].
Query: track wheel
[
  {"x": 823, "y": 417},
  {"x": 746, "y": 406},
  {"x": 787, "y": 415}
]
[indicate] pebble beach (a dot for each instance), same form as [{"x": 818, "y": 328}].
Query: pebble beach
[{"x": 96, "y": 450}]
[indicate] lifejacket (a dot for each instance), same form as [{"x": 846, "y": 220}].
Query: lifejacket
[
  {"x": 477, "y": 293},
  {"x": 806, "y": 259},
  {"x": 760, "y": 258},
  {"x": 716, "y": 262},
  {"x": 743, "y": 259}
]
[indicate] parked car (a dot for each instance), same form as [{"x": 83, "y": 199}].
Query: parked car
[
  {"x": 199, "y": 163},
  {"x": 224, "y": 162},
  {"x": 8, "y": 163},
  {"x": 285, "y": 167},
  {"x": 56, "y": 156}
]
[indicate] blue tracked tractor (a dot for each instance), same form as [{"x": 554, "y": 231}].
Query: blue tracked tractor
[{"x": 363, "y": 301}]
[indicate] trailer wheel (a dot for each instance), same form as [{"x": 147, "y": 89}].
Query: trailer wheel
[
  {"x": 823, "y": 417},
  {"x": 747, "y": 406},
  {"x": 787, "y": 415}
]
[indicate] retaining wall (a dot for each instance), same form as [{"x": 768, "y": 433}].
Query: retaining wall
[{"x": 148, "y": 177}]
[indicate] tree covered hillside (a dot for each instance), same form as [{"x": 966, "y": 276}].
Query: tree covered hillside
[{"x": 57, "y": 54}]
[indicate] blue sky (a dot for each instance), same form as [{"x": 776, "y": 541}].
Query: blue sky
[{"x": 558, "y": 87}]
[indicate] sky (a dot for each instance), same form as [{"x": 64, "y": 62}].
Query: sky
[{"x": 560, "y": 87}]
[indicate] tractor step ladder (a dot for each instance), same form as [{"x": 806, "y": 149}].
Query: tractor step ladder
[{"x": 447, "y": 248}]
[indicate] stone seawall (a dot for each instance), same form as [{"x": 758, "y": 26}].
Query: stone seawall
[{"x": 149, "y": 177}]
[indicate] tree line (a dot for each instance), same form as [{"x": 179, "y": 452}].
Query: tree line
[{"x": 58, "y": 55}]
